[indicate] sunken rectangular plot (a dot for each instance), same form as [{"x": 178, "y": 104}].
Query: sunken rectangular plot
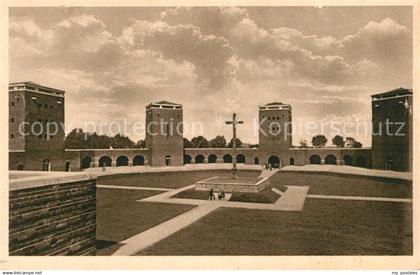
[
  {"x": 57, "y": 219},
  {"x": 228, "y": 184}
]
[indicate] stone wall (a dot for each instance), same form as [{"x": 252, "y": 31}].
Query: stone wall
[
  {"x": 218, "y": 185},
  {"x": 52, "y": 214}
]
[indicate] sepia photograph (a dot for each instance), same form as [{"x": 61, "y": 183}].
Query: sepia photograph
[{"x": 221, "y": 130}]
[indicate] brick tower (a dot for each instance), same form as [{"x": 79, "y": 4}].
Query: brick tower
[
  {"x": 36, "y": 132},
  {"x": 275, "y": 137},
  {"x": 392, "y": 150},
  {"x": 164, "y": 134}
]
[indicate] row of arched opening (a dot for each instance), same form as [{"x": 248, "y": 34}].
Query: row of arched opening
[
  {"x": 274, "y": 161},
  {"x": 46, "y": 166},
  {"x": 213, "y": 159},
  {"x": 107, "y": 161},
  {"x": 359, "y": 161}
]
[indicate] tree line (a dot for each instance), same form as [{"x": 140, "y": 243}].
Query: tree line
[
  {"x": 217, "y": 142},
  {"x": 338, "y": 141},
  {"x": 78, "y": 139}
]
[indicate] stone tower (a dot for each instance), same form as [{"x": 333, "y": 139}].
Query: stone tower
[
  {"x": 392, "y": 149},
  {"x": 36, "y": 126},
  {"x": 275, "y": 129},
  {"x": 164, "y": 134}
]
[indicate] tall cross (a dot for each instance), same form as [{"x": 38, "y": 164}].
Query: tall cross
[{"x": 234, "y": 122}]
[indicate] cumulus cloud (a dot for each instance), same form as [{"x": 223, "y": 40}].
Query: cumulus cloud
[
  {"x": 220, "y": 54},
  {"x": 217, "y": 21},
  {"x": 374, "y": 34},
  {"x": 379, "y": 40},
  {"x": 312, "y": 43},
  {"x": 27, "y": 29},
  {"x": 209, "y": 54},
  {"x": 77, "y": 43}
]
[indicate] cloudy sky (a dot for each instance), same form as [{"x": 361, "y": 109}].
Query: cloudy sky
[{"x": 324, "y": 62}]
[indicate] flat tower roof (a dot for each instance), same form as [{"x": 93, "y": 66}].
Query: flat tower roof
[
  {"x": 163, "y": 105},
  {"x": 34, "y": 87},
  {"x": 275, "y": 106},
  {"x": 393, "y": 93}
]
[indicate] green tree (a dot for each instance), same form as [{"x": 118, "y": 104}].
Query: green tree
[
  {"x": 238, "y": 143},
  {"x": 200, "y": 142},
  {"x": 100, "y": 141},
  {"x": 353, "y": 143},
  {"x": 76, "y": 139},
  {"x": 338, "y": 141},
  {"x": 121, "y": 141},
  {"x": 319, "y": 141},
  {"x": 218, "y": 142},
  {"x": 357, "y": 145},
  {"x": 187, "y": 143}
]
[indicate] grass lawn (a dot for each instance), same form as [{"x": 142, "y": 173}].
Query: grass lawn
[
  {"x": 119, "y": 216},
  {"x": 192, "y": 194},
  {"x": 265, "y": 196},
  {"x": 344, "y": 185},
  {"x": 167, "y": 179},
  {"x": 325, "y": 227}
]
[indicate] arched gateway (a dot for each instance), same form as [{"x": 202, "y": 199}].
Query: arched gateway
[{"x": 274, "y": 161}]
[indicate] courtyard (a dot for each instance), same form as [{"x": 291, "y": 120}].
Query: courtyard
[{"x": 318, "y": 214}]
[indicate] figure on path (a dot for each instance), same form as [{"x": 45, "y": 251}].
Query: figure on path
[
  {"x": 222, "y": 195},
  {"x": 211, "y": 195}
]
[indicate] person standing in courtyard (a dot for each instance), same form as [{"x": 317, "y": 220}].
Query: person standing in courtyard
[
  {"x": 211, "y": 195},
  {"x": 222, "y": 195}
]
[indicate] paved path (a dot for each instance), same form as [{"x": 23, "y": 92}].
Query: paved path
[
  {"x": 349, "y": 170},
  {"x": 133, "y": 187},
  {"x": 155, "y": 234},
  {"x": 167, "y": 195},
  {"x": 340, "y": 169},
  {"x": 333, "y": 197},
  {"x": 293, "y": 199},
  {"x": 98, "y": 171},
  {"x": 267, "y": 173}
]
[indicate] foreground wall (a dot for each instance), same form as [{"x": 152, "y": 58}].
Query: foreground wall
[{"x": 52, "y": 214}]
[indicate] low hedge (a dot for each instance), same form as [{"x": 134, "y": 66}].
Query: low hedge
[
  {"x": 192, "y": 194},
  {"x": 266, "y": 196}
]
